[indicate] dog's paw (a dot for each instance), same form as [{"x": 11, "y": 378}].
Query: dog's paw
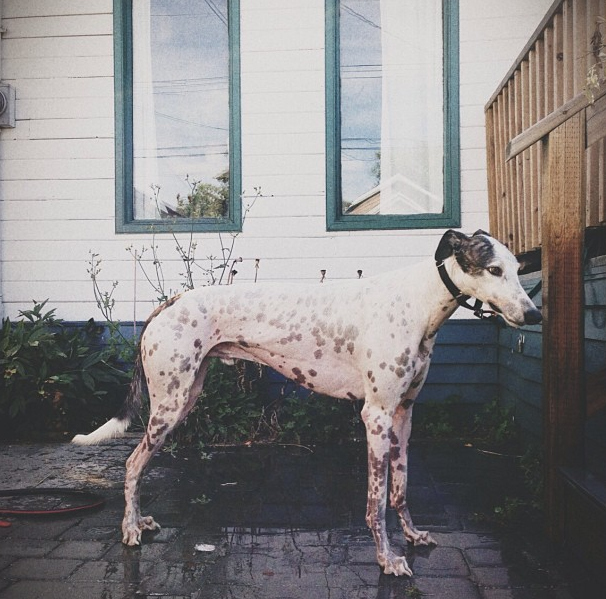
[
  {"x": 394, "y": 564},
  {"x": 131, "y": 534},
  {"x": 148, "y": 523},
  {"x": 420, "y": 537}
]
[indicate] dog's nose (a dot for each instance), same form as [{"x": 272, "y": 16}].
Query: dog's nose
[{"x": 533, "y": 316}]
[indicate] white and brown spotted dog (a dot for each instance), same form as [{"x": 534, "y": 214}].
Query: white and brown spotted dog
[{"x": 371, "y": 338}]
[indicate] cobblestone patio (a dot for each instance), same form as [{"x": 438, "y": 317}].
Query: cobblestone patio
[{"x": 286, "y": 523}]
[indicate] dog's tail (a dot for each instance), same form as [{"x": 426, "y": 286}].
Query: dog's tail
[{"x": 118, "y": 425}]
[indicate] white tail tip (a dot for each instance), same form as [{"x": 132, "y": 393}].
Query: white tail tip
[{"x": 110, "y": 430}]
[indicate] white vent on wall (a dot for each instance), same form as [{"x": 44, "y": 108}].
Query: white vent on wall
[{"x": 7, "y": 105}]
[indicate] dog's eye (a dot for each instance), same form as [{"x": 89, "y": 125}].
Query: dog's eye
[{"x": 495, "y": 271}]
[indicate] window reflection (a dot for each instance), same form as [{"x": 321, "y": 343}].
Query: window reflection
[
  {"x": 180, "y": 109},
  {"x": 392, "y": 106}
]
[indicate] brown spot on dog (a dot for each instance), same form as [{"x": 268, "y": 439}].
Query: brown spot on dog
[
  {"x": 402, "y": 359},
  {"x": 175, "y": 383},
  {"x": 312, "y": 372},
  {"x": 394, "y": 450},
  {"x": 299, "y": 376},
  {"x": 382, "y": 365},
  {"x": 318, "y": 354},
  {"x": 316, "y": 333}
]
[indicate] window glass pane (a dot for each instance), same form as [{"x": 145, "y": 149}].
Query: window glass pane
[
  {"x": 392, "y": 107},
  {"x": 180, "y": 108}
]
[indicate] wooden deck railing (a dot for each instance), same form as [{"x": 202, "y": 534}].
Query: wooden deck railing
[{"x": 547, "y": 84}]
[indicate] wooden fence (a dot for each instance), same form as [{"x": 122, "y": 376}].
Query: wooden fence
[
  {"x": 554, "y": 77},
  {"x": 546, "y": 151}
]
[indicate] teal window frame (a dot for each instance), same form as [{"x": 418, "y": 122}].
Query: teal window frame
[
  {"x": 123, "y": 106},
  {"x": 451, "y": 213}
]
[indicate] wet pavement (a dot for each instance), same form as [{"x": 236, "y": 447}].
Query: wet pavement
[{"x": 285, "y": 522}]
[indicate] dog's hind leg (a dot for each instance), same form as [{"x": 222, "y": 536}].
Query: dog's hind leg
[
  {"x": 402, "y": 426},
  {"x": 164, "y": 418},
  {"x": 378, "y": 423}
]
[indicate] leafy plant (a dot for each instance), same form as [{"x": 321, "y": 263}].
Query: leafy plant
[
  {"x": 531, "y": 465},
  {"x": 227, "y": 411},
  {"x": 317, "y": 419},
  {"x": 438, "y": 420},
  {"x": 413, "y": 592},
  {"x": 47, "y": 369},
  {"x": 495, "y": 426}
]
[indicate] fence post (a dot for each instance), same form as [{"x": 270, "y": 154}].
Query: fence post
[{"x": 563, "y": 226}]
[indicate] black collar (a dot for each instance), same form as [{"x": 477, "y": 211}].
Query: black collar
[{"x": 460, "y": 297}]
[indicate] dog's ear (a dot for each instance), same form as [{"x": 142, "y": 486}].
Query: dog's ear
[
  {"x": 452, "y": 242},
  {"x": 482, "y": 232}
]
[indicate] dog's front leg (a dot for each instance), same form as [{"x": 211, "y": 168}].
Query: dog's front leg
[
  {"x": 378, "y": 423},
  {"x": 402, "y": 426}
]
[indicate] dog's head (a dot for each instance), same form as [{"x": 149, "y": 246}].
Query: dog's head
[{"x": 488, "y": 271}]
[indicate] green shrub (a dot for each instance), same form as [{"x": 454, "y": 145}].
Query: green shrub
[
  {"x": 234, "y": 409},
  {"x": 318, "y": 419},
  {"x": 496, "y": 427},
  {"x": 50, "y": 372},
  {"x": 229, "y": 409}
]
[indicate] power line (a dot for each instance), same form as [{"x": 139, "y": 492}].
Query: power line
[
  {"x": 217, "y": 12},
  {"x": 178, "y": 120},
  {"x": 359, "y": 16}
]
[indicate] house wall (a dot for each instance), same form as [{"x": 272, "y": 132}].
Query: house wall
[{"x": 57, "y": 164}]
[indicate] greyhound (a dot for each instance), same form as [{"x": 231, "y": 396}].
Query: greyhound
[{"x": 368, "y": 339}]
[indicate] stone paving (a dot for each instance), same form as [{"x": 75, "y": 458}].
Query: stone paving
[{"x": 286, "y": 523}]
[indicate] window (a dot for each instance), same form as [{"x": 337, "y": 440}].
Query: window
[
  {"x": 177, "y": 115},
  {"x": 392, "y": 145}
]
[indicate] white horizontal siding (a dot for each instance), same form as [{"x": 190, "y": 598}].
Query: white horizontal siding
[
  {"x": 72, "y": 25},
  {"x": 57, "y": 165},
  {"x": 36, "y": 8}
]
